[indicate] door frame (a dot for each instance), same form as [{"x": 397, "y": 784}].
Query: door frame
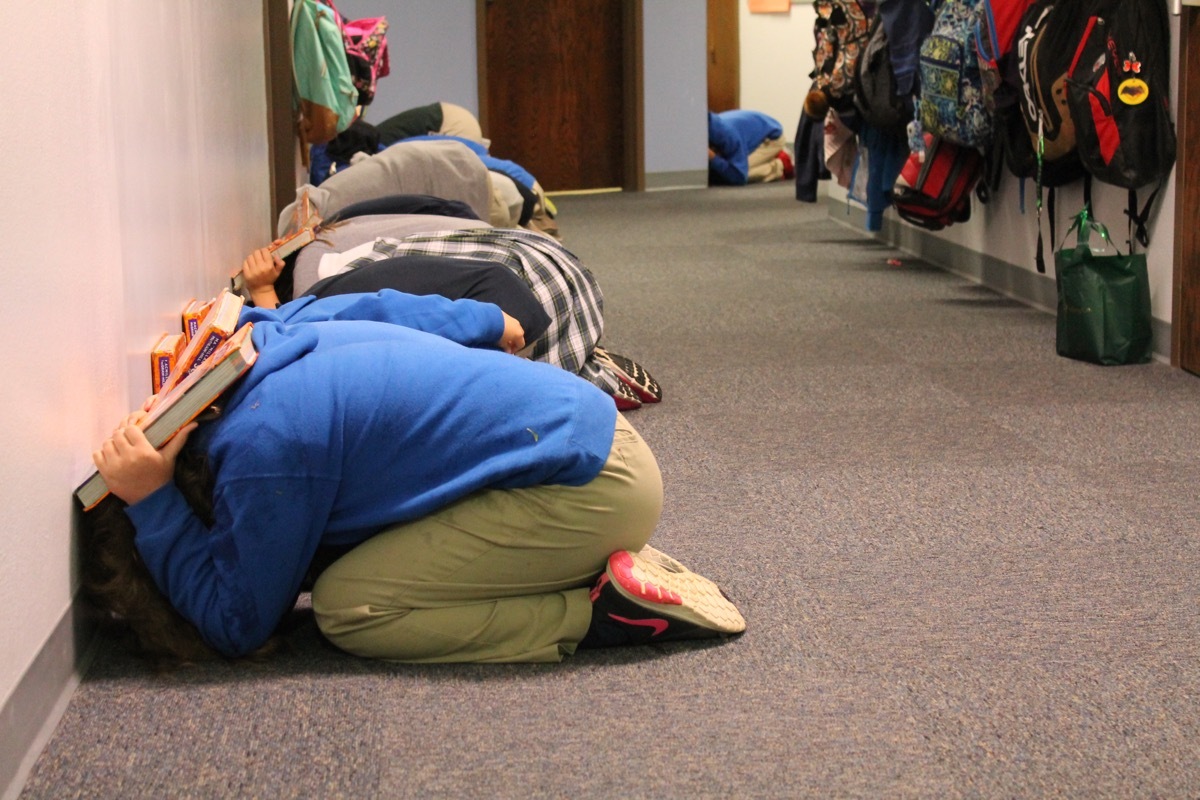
[
  {"x": 1186, "y": 354},
  {"x": 724, "y": 55},
  {"x": 281, "y": 125},
  {"x": 632, "y": 87}
]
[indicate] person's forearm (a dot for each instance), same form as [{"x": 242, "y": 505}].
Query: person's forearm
[
  {"x": 264, "y": 297},
  {"x": 467, "y": 322}
]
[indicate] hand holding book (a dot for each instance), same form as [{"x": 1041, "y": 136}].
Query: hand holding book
[
  {"x": 260, "y": 270},
  {"x": 255, "y": 281},
  {"x": 131, "y": 467},
  {"x": 160, "y": 422}
]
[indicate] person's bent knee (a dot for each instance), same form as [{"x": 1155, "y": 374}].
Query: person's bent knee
[{"x": 343, "y": 612}]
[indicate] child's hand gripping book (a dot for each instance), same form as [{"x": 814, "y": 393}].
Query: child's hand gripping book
[
  {"x": 280, "y": 247},
  {"x": 181, "y": 404},
  {"x": 301, "y": 231}
]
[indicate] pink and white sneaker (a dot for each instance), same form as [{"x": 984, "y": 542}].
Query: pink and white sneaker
[{"x": 648, "y": 596}]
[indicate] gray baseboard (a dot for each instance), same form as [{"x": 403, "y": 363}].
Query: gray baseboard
[
  {"x": 682, "y": 179},
  {"x": 1021, "y": 284},
  {"x": 31, "y": 713}
]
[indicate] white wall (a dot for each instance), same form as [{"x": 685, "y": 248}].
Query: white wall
[
  {"x": 135, "y": 178},
  {"x": 777, "y": 57},
  {"x": 675, "y": 85}
]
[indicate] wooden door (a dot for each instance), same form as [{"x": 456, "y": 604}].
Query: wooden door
[
  {"x": 555, "y": 93},
  {"x": 724, "y": 56},
  {"x": 1185, "y": 319}
]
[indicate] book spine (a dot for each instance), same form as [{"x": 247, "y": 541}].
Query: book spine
[
  {"x": 161, "y": 366},
  {"x": 193, "y": 315},
  {"x": 211, "y": 343}
]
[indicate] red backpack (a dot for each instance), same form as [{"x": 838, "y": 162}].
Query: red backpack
[
  {"x": 936, "y": 192},
  {"x": 995, "y": 34}
]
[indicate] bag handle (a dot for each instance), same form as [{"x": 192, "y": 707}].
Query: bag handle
[{"x": 1084, "y": 224}]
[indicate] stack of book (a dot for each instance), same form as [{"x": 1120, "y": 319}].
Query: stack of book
[{"x": 189, "y": 372}]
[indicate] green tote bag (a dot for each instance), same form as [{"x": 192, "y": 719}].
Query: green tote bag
[{"x": 1103, "y": 299}]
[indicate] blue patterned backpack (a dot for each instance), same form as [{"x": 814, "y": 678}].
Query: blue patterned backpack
[{"x": 952, "y": 104}]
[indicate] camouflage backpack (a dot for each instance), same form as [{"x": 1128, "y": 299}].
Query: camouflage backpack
[{"x": 840, "y": 32}]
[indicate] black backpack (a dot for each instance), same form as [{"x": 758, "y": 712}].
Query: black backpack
[
  {"x": 875, "y": 94},
  {"x": 1118, "y": 90},
  {"x": 1047, "y": 38}
]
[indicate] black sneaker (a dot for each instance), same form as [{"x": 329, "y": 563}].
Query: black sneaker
[
  {"x": 650, "y": 597},
  {"x": 631, "y": 373}
]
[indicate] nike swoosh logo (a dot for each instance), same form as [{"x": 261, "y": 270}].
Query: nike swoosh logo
[{"x": 659, "y": 625}]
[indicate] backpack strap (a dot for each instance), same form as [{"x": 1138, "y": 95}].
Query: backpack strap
[
  {"x": 986, "y": 17},
  {"x": 1138, "y": 220},
  {"x": 1040, "y": 259}
]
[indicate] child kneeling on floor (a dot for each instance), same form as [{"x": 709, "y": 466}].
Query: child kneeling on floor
[{"x": 493, "y": 509}]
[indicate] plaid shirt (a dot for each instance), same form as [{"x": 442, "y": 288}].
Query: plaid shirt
[{"x": 565, "y": 288}]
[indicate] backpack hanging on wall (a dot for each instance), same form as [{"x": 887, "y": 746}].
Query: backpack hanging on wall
[
  {"x": 951, "y": 104},
  {"x": 1046, "y": 42},
  {"x": 1048, "y": 37},
  {"x": 1119, "y": 95},
  {"x": 366, "y": 54},
  {"x": 935, "y": 191},
  {"x": 324, "y": 91},
  {"x": 840, "y": 32},
  {"x": 1118, "y": 91},
  {"x": 875, "y": 94},
  {"x": 995, "y": 28}
]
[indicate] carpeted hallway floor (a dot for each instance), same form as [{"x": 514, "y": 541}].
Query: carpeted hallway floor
[{"x": 970, "y": 567}]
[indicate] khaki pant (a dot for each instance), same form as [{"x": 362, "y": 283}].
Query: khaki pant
[
  {"x": 501, "y": 575},
  {"x": 764, "y": 163},
  {"x": 458, "y": 121}
]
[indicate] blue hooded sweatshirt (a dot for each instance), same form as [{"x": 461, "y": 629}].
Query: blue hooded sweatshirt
[
  {"x": 732, "y": 135},
  {"x": 361, "y": 411}
]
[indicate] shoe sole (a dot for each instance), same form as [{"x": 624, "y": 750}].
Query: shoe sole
[
  {"x": 630, "y": 373},
  {"x": 656, "y": 582},
  {"x": 637, "y": 377},
  {"x": 625, "y": 398}
]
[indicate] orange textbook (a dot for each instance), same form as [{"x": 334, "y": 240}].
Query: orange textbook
[
  {"x": 193, "y": 312},
  {"x": 181, "y": 404},
  {"x": 293, "y": 242},
  {"x": 163, "y": 356},
  {"x": 218, "y": 324}
]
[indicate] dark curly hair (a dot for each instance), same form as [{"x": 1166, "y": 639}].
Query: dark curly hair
[{"x": 120, "y": 588}]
